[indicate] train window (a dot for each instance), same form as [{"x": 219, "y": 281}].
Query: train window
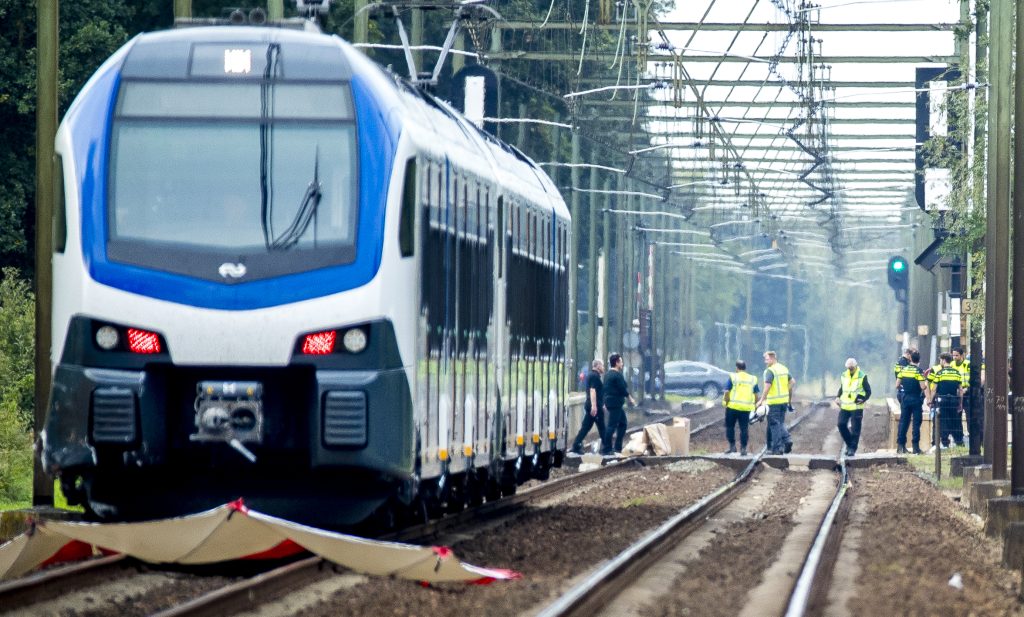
[
  {"x": 60, "y": 221},
  {"x": 290, "y": 101},
  {"x": 187, "y": 195},
  {"x": 407, "y": 220}
]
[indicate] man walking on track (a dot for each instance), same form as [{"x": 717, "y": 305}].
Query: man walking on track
[
  {"x": 739, "y": 402},
  {"x": 853, "y": 392},
  {"x": 593, "y": 409},
  {"x": 615, "y": 394},
  {"x": 915, "y": 391},
  {"x": 778, "y": 393}
]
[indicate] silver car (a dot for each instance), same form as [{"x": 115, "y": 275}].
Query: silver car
[{"x": 686, "y": 377}]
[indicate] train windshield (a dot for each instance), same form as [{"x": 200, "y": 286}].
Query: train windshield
[{"x": 208, "y": 174}]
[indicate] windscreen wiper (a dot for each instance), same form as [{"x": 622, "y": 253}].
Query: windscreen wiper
[{"x": 306, "y": 213}]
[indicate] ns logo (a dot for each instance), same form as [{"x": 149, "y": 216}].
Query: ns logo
[{"x": 230, "y": 270}]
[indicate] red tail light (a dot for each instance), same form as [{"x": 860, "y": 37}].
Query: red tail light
[
  {"x": 143, "y": 341},
  {"x": 319, "y": 344}
]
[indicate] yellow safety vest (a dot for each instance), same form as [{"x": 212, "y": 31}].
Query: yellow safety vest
[
  {"x": 964, "y": 368},
  {"x": 946, "y": 374},
  {"x": 741, "y": 397},
  {"x": 853, "y": 386},
  {"x": 778, "y": 392}
]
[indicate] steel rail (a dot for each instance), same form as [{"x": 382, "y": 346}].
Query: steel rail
[
  {"x": 49, "y": 584},
  {"x": 594, "y": 592},
  {"x": 249, "y": 593},
  {"x": 808, "y": 595}
]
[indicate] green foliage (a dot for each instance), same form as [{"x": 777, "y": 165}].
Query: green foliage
[
  {"x": 17, "y": 346},
  {"x": 90, "y": 30},
  {"x": 17, "y": 386}
]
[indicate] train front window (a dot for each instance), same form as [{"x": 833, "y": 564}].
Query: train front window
[{"x": 209, "y": 173}]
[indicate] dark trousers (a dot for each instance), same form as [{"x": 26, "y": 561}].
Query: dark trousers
[
  {"x": 616, "y": 428},
  {"x": 588, "y": 423},
  {"x": 910, "y": 409},
  {"x": 849, "y": 427},
  {"x": 950, "y": 422},
  {"x": 732, "y": 418},
  {"x": 778, "y": 435}
]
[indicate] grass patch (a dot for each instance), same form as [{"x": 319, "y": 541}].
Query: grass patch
[
  {"x": 924, "y": 464},
  {"x": 636, "y": 502}
]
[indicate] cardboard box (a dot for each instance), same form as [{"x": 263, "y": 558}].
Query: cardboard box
[
  {"x": 679, "y": 436},
  {"x": 658, "y": 439}
]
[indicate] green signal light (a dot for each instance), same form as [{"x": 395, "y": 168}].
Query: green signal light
[{"x": 898, "y": 265}]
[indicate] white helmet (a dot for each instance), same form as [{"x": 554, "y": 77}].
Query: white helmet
[{"x": 759, "y": 414}]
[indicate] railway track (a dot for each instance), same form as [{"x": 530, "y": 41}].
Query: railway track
[
  {"x": 597, "y": 592},
  {"x": 46, "y": 586},
  {"x": 252, "y": 591}
]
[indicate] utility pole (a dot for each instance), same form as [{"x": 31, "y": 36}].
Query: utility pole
[
  {"x": 361, "y": 22},
  {"x": 574, "y": 271},
  {"x": 275, "y": 10},
  {"x": 593, "y": 209},
  {"x": 997, "y": 241},
  {"x": 1017, "y": 467},
  {"x": 47, "y": 46},
  {"x": 182, "y": 9},
  {"x": 417, "y": 56},
  {"x": 606, "y": 254},
  {"x": 977, "y": 415}
]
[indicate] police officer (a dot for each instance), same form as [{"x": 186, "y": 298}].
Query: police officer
[
  {"x": 963, "y": 366},
  {"x": 903, "y": 361},
  {"x": 854, "y": 390},
  {"x": 593, "y": 408},
  {"x": 778, "y": 393},
  {"x": 739, "y": 402},
  {"x": 947, "y": 391},
  {"x": 915, "y": 391}
]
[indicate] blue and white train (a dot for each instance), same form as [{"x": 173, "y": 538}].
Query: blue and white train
[{"x": 282, "y": 274}]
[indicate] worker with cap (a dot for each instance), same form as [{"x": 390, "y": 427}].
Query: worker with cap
[
  {"x": 739, "y": 402},
  {"x": 778, "y": 393},
  {"x": 854, "y": 391}
]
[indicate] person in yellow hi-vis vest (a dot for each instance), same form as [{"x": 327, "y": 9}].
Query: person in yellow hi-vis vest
[
  {"x": 778, "y": 393},
  {"x": 739, "y": 401},
  {"x": 854, "y": 391}
]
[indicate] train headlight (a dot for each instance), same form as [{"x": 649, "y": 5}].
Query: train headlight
[
  {"x": 354, "y": 340},
  {"x": 107, "y": 338}
]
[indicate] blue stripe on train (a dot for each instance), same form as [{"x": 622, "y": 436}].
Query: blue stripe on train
[{"x": 90, "y": 129}]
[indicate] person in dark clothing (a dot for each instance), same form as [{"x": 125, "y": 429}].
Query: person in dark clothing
[
  {"x": 915, "y": 391},
  {"x": 740, "y": 400},
  {"x": 616, "y": 392},
  {"x": 947, "y": 394},
  {"x": 593, "y": 409},
  {"x": 854, "y": 391},
  {"x": 903, "y": 361}
]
